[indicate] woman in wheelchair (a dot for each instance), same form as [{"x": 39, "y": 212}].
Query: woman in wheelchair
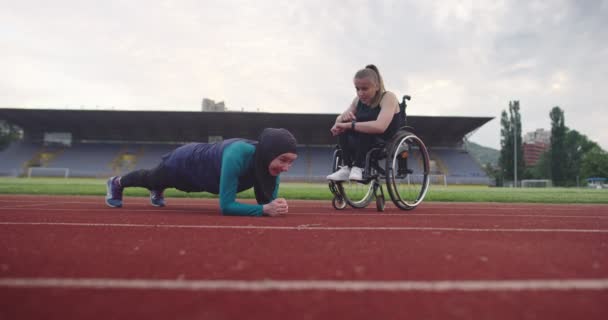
[{"x": 372, "y": 117}]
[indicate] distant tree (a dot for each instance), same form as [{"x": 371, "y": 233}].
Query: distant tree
[
  {"x": 510, "y": 142},
  {"x": 558, "y": 160},
  {"x": 594, "y": 163},
  {"x": 8, "y": 133},
  {"x": 576, "y": 146},
  {"x": 516, "y": 120},
  {"x": 542, "y": 169},
  {"x": 506, "y": 145},
  {"x": 565, "y": 161}
]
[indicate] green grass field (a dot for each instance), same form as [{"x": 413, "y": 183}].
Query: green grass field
[{"x": 317, "y": 191}]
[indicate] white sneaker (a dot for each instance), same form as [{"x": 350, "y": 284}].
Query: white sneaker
[
  {"x": 340, "y": 175},
  {"x": 356, "y": 174}
]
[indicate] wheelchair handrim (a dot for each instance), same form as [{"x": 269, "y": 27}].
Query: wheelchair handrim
[{"x": 391, "y": 182}]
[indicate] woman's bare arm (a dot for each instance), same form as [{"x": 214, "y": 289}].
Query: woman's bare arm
[{"x": 389, "y": 106}]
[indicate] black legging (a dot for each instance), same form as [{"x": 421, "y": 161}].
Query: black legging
[
  {"x": 152, "y": 179},
  {"x": 355, "y": 146}
]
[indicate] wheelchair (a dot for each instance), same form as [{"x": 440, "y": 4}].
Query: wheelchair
[{"x": 402, "y": 162}]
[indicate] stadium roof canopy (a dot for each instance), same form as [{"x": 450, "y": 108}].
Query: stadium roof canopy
[{"x": 165, "y": 126}]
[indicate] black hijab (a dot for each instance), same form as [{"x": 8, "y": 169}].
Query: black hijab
[{"x": 272, "y": 143}]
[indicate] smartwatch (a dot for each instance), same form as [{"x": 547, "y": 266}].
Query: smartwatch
[{"x": 352, "y": 125}]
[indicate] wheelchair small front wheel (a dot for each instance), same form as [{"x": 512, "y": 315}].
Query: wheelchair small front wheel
[
  {"x": 338, "y": 204},
  {"x": 407, "y": 171},
  {"x": 380, "y": 203}
]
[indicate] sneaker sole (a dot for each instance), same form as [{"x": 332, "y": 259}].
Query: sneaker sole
[
  {"x": 113, "y": 206},
  {"x": 156, "y": 205}
]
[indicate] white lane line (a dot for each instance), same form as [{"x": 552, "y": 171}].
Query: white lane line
[
  {"x": 313, "y": 228},
  {"x": 329, "y": 214},
  {"x": 439, "y": 215},
  {"x": 106, "y": 208},
  {"x": 31, "y": 205},
  {"x": 305, "y": 285},
  {"x": 205, "y": 202}
]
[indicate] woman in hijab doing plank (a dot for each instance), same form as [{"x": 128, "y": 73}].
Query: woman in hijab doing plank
[{"x": 223, "y": 168}]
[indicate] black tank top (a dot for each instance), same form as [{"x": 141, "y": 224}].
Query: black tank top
[{"x": 367, "y": 113}]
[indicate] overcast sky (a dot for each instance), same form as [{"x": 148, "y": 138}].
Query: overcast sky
[{"x": 456, "y": 58}]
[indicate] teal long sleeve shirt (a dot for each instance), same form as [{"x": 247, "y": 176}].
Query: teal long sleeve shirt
[{"x": 237, "y": 158}]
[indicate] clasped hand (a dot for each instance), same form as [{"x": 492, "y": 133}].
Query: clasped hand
[
  {"x": 276, "y": 207},
  {"x": 343, "y": 123}
]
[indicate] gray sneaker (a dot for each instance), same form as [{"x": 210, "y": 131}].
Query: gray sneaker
[
  {"x": 157, "y": 198},
  {"x": 114, "y": 192}
]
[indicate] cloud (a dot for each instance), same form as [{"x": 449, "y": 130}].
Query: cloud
[{"x": 458, "y": 58}]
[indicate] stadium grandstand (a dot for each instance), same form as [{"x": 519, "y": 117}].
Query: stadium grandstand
[{"x": 101, "y": 143}]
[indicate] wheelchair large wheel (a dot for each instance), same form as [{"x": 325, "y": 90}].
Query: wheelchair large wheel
[
  {"x": 407, "y": 171},
  {"x": 356, "y": 194}
]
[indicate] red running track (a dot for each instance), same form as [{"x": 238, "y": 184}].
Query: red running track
[{"x": 75, "y": 258}]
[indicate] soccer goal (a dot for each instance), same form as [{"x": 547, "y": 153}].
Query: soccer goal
[
  {"x": 536, "y": 183},
  {"x": 48, "y": 172}
]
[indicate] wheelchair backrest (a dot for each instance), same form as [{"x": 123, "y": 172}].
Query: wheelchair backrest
[{"x": 402, "y": 107}]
